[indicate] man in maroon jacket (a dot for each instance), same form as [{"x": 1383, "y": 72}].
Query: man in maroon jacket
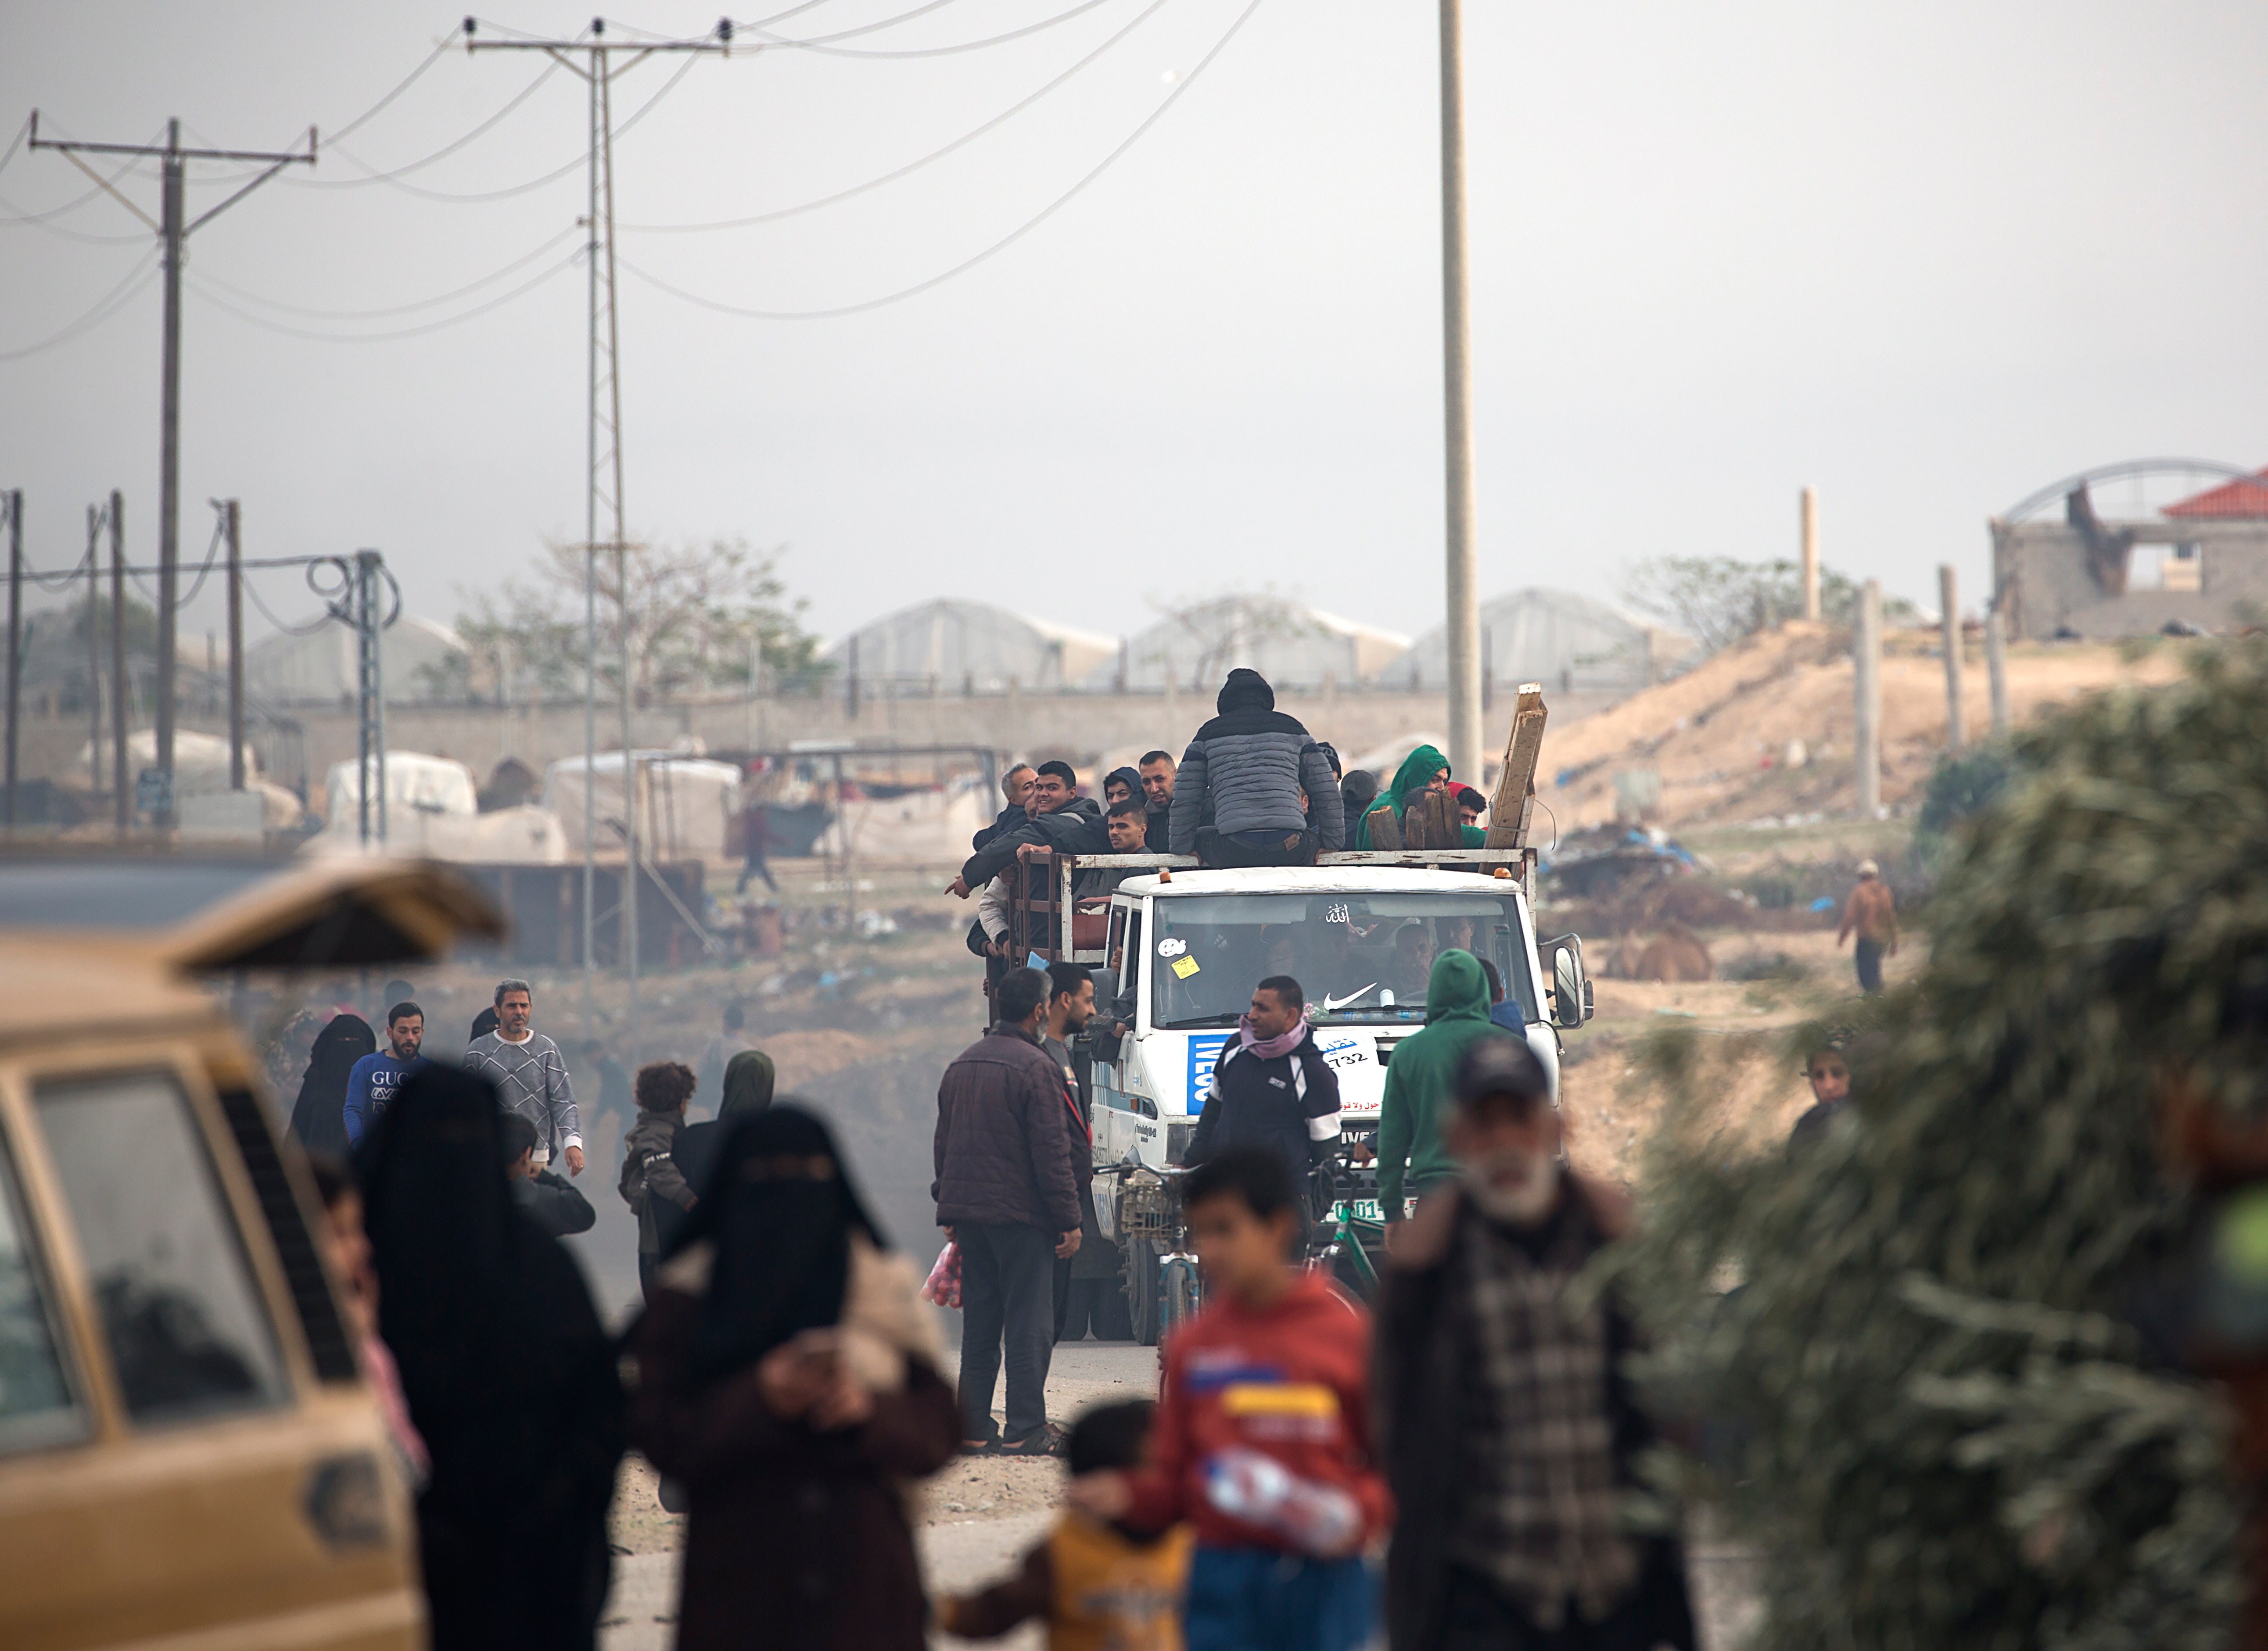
[{"x": 1006, "y": 1194}]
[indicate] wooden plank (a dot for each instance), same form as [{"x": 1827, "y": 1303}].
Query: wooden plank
[{"x": 1512, "y": 808}]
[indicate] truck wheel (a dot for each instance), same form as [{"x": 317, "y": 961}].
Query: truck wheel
[{"x": 1142, "y": 1303}]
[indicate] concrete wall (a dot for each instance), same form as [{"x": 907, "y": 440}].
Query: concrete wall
[
  {"x": 1078, "y": 726},
  {"x": 2041, "y": 570}
]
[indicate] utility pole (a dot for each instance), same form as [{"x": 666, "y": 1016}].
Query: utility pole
[
  {"x": 366, "y": 613},
  {"x": 232, "y": 518},
  {"x": 593, "y": 57},
  {"x": 93, "y": 650},
  {"x": 121, "y": 688},
  {"x": 1810, "y": 529},
  {"x": 175, "y": 232},
  {"x": 1996, "y": 666},
  {"x": 1949, "y": 598},
  {"x": 15, "y": 503},
  {"x": 1867, "y": 682},
  {"x": 1463, "y": 629}
]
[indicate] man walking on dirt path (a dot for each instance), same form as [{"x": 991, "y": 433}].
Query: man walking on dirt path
[
  {"x": 1873, "y": 914},
  {"x": 529, "y": 1076},
  {"x": 1006, "y": 1194},
  {"x": 1509, "y": 1437}
]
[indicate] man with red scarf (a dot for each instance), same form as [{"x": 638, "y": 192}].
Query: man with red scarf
[{"x": 1273, "y": 1088}]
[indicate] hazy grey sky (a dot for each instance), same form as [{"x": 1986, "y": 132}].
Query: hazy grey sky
[{"x": 1927, "y": 256}]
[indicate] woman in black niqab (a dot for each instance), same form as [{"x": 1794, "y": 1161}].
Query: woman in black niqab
[
  {"x": 797, "y": 1538},
  {"x": 508, "y": 1375},
  {"x": 780, "y": 1211},
  {"x": 319, "y": 1116}
]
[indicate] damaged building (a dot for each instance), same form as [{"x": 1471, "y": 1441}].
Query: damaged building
[{"x": 2099, "y": 556}]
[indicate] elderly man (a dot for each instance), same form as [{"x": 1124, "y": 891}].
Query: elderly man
[{"x": 1509, "y": 1434}]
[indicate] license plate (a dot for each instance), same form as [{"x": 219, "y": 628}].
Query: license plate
[{"x": 1361, "y": 1209}]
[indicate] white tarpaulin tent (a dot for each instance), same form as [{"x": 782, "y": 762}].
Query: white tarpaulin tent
[
  {"x": 523, "y": 836},
  {"x": 686, "y": 804},
  {"x": 930, "y": 827},
  {"x": 420, "y": 792}
]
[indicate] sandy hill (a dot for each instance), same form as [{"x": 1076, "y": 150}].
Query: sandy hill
[{"x": 1720, "y": 735}]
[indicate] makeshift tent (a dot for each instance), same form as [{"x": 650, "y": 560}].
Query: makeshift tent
[
  {"x": 685, "y": 806},
  {"x": 419, "y": 791}
]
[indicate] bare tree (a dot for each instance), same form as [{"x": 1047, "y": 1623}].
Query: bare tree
[
  {"x": 700, "y": 616},
  {"x": 1720, "y": 600}
]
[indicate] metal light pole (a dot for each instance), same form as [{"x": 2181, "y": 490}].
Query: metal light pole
[{"x": 1463, "y": 629}]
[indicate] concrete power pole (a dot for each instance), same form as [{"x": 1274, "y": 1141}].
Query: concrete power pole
[
  {"x": 175, "y": 232},
  {"x": 1866, "y": 680},
  {"x": 1949, "y": 599},
  {"x": 1463, "y": 629},
  {"x": 1810, "y": 515},
  {"x": 14, "y": 500},
  {"x": 122, "y": 686},
  {"x": 1996, "y": 666},
  {"x": 592, "y": 56},
  {"x": 233, "y": 527}
]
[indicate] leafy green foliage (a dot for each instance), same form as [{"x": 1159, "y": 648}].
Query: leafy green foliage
[{"x": 1924, "y": 1401}]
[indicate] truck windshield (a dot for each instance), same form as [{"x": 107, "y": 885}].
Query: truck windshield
[{"x": 1357, "y": 957}]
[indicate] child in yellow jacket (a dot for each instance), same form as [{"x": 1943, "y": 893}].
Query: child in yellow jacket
[{"x": 1098, "y": 1586}]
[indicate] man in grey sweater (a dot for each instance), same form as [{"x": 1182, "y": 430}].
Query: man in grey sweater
[{"x": 529, "y": 1074}]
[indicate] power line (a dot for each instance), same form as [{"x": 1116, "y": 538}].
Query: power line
[
  {"x": 144, "y": 271},
  {"x": 46, "y": 217},
  {"x": 1002, "y": 244},
  {"x": 533, "y": 183},
  {"x": 390, "y": 174},
  {"x": 197, "y": 286},
  {"x": 490, "y": 279},
  {"x": 818, "y": 43},
  {"x": 962, "y": 142}
]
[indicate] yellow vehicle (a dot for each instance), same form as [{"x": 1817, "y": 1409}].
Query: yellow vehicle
[{"x": 189, "y": 1459}]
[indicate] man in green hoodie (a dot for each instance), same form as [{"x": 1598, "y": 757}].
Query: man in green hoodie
[{"x": 1421, "y": 1081}]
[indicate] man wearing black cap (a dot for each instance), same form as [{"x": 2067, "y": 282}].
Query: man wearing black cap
[{"x": 1511, "y": 1436}]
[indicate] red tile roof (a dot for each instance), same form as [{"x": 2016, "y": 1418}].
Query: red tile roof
[{"x": 2247, "y": 497}]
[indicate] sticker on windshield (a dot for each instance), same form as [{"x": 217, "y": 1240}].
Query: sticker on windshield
[
  {"x": 1184, "y": 967},
  {"x": 1172, "y": 946},
  {"x": 1334, "y": 913}
]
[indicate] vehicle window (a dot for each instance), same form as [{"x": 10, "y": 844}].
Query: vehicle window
[
  {"x": 189, "y": 1334},
  {"x": 1357, "y": 957},
  {"x": 37, "y": 1405}
]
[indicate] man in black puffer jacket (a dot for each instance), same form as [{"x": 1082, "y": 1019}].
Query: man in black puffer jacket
[
  {"x": 1249, "y": 781},
  {"x": 1272, "y": 1088}
]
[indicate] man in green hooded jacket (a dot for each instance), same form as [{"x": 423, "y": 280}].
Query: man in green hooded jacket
[{"x": 1421, "y": 1079}]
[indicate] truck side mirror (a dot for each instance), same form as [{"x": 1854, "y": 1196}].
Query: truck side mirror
[{"x": 1570, "y": 989}]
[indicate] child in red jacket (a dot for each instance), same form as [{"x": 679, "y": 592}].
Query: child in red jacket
[{"x": 1262, "y": 1441}]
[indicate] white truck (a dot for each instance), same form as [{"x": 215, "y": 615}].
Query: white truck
[{"x": 1177, "y": 949}]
